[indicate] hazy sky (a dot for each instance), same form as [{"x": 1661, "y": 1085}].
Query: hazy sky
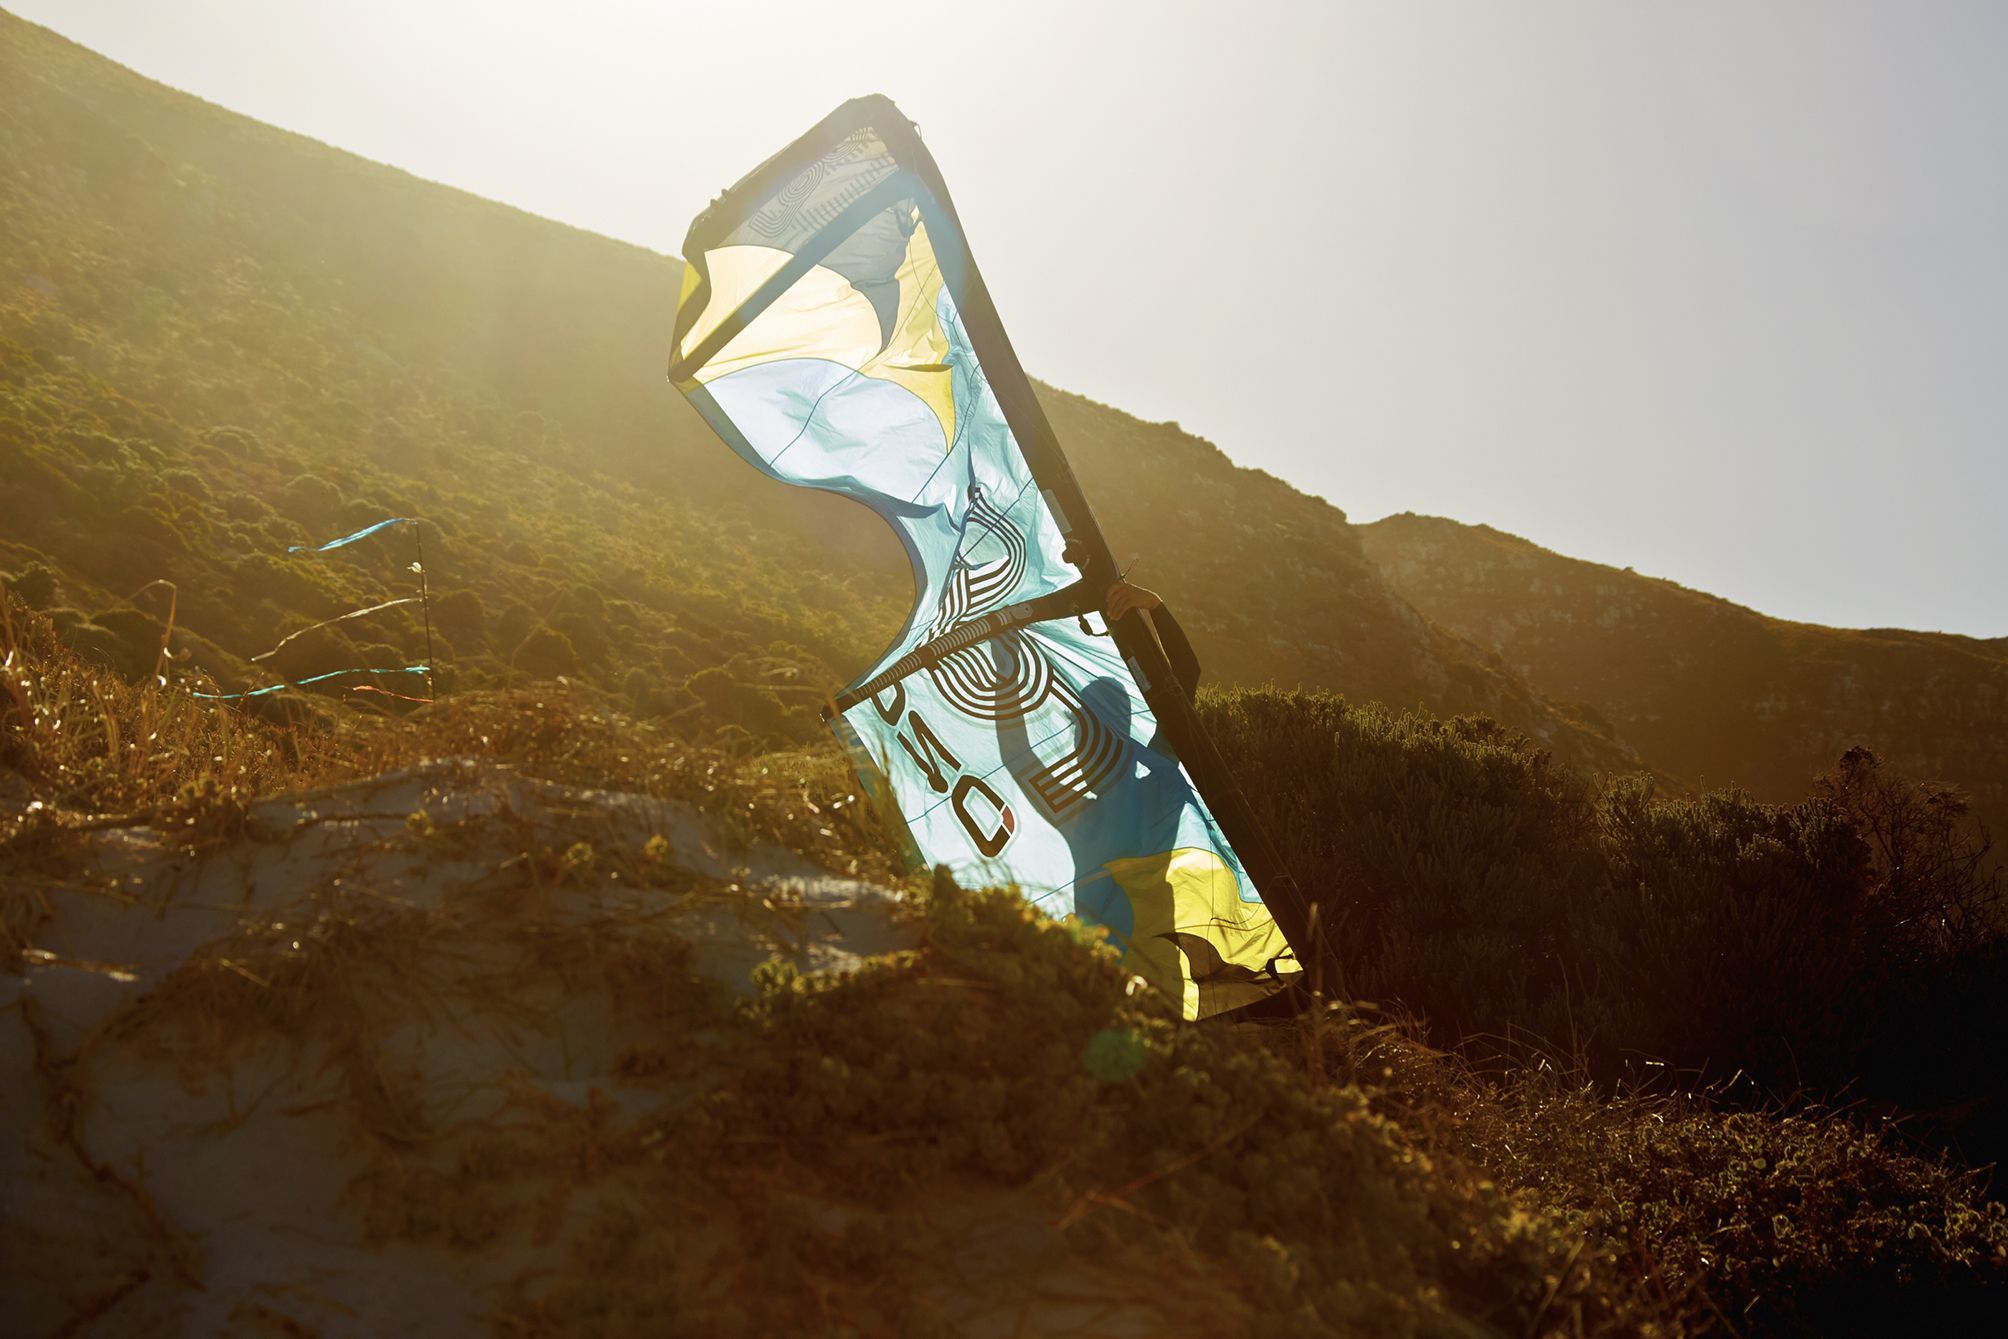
[{"x": 1714, "y": 290}]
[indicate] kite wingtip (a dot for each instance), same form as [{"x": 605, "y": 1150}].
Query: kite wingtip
[{"x": 873, "y": 107}]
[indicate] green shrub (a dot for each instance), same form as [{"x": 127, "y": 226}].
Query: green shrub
[
  {"x": 188, "y": 482},
  {"x": 289, "y": 581},
  {"x": 582, "y": 599},
  {"x": 91, "y": 444},
  {"x": 1006, "y": 1052},
  {"x": 640, "y": 689},
  {"x": 1937, "y": 888},
  {"x": 240, "y": 442},
  {"x": 34, "y": 583},
  {"x": 381, "y": 655},
  {"x": 756, "y": 709},
  {"x": 1448, "y": 859},
  {"x": 546, "y": 651},
  {"x": 247, "y": 507},
  {"x": 101, "y": 647},
  {"x": 1739, "y": 925},
  {"x": 587, "y": 633},
  {"x": 514, "y": 624},
  {"x": 461, "y": 613},
  {"x": 310, "y": 653},
  {"x": 141, "y": 634},
  {"x": 310, "y": 500}
]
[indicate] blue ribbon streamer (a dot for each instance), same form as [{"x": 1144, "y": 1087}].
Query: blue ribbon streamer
[
  {"x": 301, "y": 683},
  {"x": 364, "y": 533}
]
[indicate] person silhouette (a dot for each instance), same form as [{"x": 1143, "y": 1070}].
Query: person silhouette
[
  {"x": 1148, "y": 862},
  {"x": 1149, "y": 793}
]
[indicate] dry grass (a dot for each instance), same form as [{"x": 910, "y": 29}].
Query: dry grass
[
  {"x": 82, "y": 749},
  {"x": 91, "y": 749},
  {"x": 807, "y": 800},
  {"x": 88, "y": 743},
  {"x": 1716, "y": 1216}
]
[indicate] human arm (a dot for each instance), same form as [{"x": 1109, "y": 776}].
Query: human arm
[{"x": 1123, "y": 599}]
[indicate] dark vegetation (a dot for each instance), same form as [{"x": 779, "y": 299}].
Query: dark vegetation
[
  {"x": 1850, "y": 947},
  {"x": 1642, "y": 1062}
]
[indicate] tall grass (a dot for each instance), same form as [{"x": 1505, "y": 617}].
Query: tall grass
[
  {"x": 88, "y": 746},
  {"x": 83, "y": 737}
]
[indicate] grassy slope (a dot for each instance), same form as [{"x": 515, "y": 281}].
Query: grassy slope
[
  {"x": 1707, "y": 689},
  {"x": 218, "y": 339},
  {"x": 186, "y": 290}
]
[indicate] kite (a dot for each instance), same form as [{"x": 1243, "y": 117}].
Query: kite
[{"x": 833, "y": 330}]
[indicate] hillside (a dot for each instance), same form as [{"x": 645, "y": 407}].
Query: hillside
[
  {"x": 1711, "y": 692},
  {"x": 218, "y": 340},
  {"x": 521, "y": 1017},
  {"x": 591, "y": 998}
]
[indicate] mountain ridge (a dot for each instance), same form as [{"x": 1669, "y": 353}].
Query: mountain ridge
[{"x": 1707, "y": 688}]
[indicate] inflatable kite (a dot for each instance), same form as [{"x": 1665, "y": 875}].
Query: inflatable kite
[{"x": 834, "y": 331}]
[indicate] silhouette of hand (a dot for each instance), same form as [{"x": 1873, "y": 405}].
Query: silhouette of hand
[{"x": 1123, "y": 597}]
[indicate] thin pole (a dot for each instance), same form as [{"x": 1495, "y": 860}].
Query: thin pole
[{"x": 425, "y": 607}]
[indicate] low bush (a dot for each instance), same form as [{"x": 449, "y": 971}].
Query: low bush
[
  {"x": 462, "y": 613},
  {"x": 546, "y": 651},
  {"x": 1506, "y": 901},
  {"x": 1759, "y": 1222}
]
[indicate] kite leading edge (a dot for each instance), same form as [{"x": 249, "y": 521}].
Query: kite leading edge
[{"x": 834, "y": 331}]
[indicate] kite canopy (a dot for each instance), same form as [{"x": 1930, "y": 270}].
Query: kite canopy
[{"x": 834, "y": 331}]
